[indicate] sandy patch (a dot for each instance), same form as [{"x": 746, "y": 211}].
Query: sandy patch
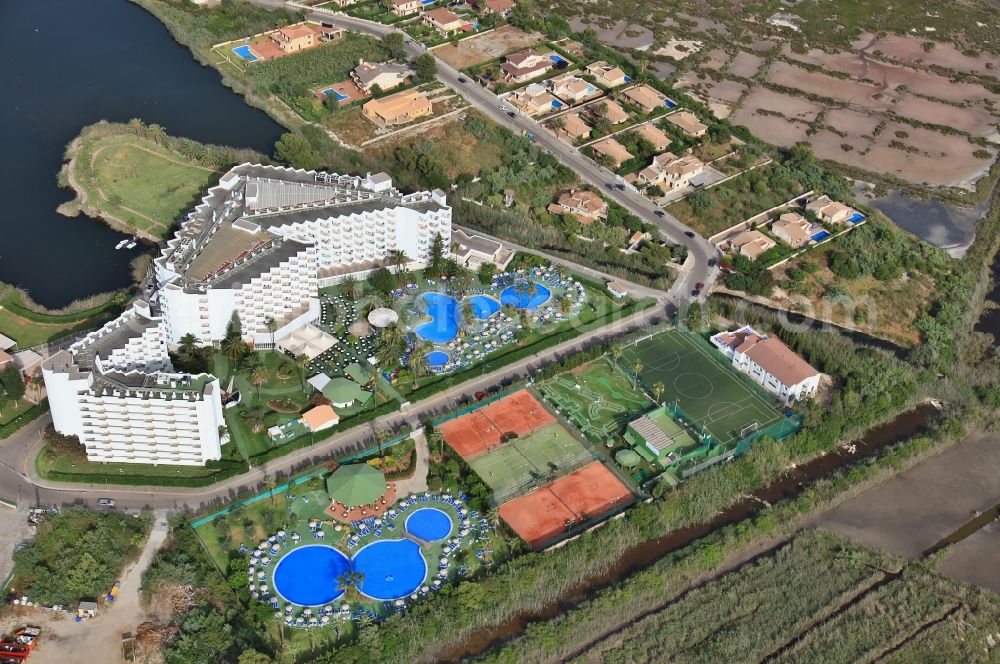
[
  {"x": 793, "y": 108},
  {"x": 771, "y": 128},
  {"x": 473, "y": 51},
  {"x": 745, "y": 65},
  {"x": 678, "y": 49},
  {"x": 622, "y": 34},
  {"x": 717, "y": 59},
  {"x": 725, "y": 90},
  {"x": 853, "y": 123}
]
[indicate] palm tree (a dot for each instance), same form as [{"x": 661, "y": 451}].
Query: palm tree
[
  {"x": 188, "y": 344},
  {"x": 301, "y": 360},
  {"x": 350, "y": 285},
  {"x": 565, "y": 304},
  {"x": 658, "y": 391},
  {"x": 270, "y": 484},
  {"x": 615, "y": 351},
  {"x": 636, "y": 368},
  {"x": 398, "y": 258},
  {"x": 157, "y": 133},
  {"x": 255, "y": 416},
  {"x": 258, "y": 376},
  {"x": 418, "y": 361},
  {"x": 389, "y": 352},
  {"x": 272, "y": 327},
  {"x": 350, "y": 581},
  {"x": 137, "y": 125},
  {"x": 233, "y": 348},
  {"x": 437, "y": 439}
]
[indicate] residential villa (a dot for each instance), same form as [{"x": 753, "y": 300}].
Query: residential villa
[
  {"x": 295, "y": 38},
  {"x": 793, "y": 229},
  {"x": 613, "y": 150},
  {"x": 444, "y": 21},
  {"x": 525, "y": 65},
  {"x": 256, "y": 249},
  {"x": 383, "y": 74},
  {"x": 573, "y": 127},
  {"x": 406, "y": 7},
  {"x": 645, "y": 97},
  {"x": 397, "y": 109},
  {"x": 535, "y": 99},
  {"x": 671, "y": 171},
  {"x": 769, "y": 362},
  {"x": 689, "y": 123},
  {"x": 830, "y": 211},
  {"x": 655, "y": 136},
  {"x": 473, "y": 250},
  {"x": 607, "y": 75},
  {"x": 585, "y": 205},
  {"x": 501, "y": 7},
  {"x": 571, "y": 88},
  {"x": 751, "y": 243},
  {"x": 611, "y": 109}
]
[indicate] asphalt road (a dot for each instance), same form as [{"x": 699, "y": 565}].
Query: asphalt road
[{"x": 489, "y": 104}]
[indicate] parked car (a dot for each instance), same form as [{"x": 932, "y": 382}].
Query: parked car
[
  {"x": 711, "y": 262},
  {"x": 689, "y": 233},
  {"x": 659, "y": 213},
  {"x": 695, "y": 293},
  {"x": 699, "y": 286},
  {"x": 106, "y": 502},
  {"x": 511, "y": 114},
  {"x": 461, "y": 79},
  {"x": 621, "y": 187}
]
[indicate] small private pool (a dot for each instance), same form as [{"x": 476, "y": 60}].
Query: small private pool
[
  {"x": 308, "y": 575},
  {"x": 557, "y": 58},
  {"x": 819, "y": 237},
  {"x": 244, "y": 53},
  {"x": 521, "y": 298},
  {"x": 429, "y": 524},
  {"x": 392, "y": 569},
  {"x": 856, "y": 218},
  {"x": 333, "y": 91},
  {"x": 670, "y": 103}
]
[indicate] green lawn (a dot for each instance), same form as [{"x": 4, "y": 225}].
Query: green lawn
[
  {"x": 141, "y": 182},
  {"x": 599, "y": 399},
  {"x": 701, "y": 385},
  {"x": 9, "y": 411},
  {"x": 28, "y": 333}
]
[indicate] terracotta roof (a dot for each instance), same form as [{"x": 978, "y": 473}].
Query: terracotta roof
[
  {"x": 296, "y": 31},
  {"x": 443, "y": 16},
  {"x": 5, "y": 357},
  {"x": 499, "y": 6},
  {"x": 613, "y": 149},
  {"x": 771, "y": 354},
  {"x": 654, "y": 135},
  {"x": 687, "y": 121},
  {"x": 645, "y": 96},
  {"x": 320, "y": 417},
  {"x": 408, "y": 102},
  {"x": 574, "y": 126}
]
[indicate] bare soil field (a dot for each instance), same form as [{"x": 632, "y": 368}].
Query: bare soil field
[
  {"x": 853, "y": 123},
  {"x": 793, "y": 108},
  {"x": 745, "y": 65},
  {"x": 974, "y": 559},
  {"x": 725, "y": 90},
  {"x": 717, "y": 59},
  {"x": 918, "y": 508},
  {"x": 909, "y": 50},
  {"x": 978, "y": 122},
  {"x": 891, "y": 76},
  {"x": 621, "y": 33},
  {"x": 704, "y": 24},
  {"x": 485, "y": 47},
  {"x": 772, "y": 129}
]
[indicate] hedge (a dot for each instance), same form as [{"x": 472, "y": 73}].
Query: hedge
[{"x": 33, "y": 413}]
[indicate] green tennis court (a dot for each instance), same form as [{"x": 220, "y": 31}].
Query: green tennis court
[
  {"x": 546, "y": 454},
  {"x": 707, "y": 390}
]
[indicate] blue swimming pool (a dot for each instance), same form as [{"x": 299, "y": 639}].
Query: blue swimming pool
[
  {"x": 392, "y": 568},
  {"x": 429, "y": 524},
  {"x": 822, "y": 235},
  {"x": 245, "y": 53},
  {"x": 556, "y": 59},
  {"x": 308, "y": 576},
  {"x": 856, "y": 218},
  {"x": 443, "y": 326},
  {"x": 483, "y": 306},
  {"x": 670, "y": 103},
  {"x": 530, "y": 299},
  {"x": 437, "y": 359},
  {"x": 333, "y": 91}
]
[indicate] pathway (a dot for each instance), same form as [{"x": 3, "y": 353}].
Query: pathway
[{"x": 416, "y": 483}]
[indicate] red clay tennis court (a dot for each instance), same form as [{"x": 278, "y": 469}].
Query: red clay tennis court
[
  {"x": 482, "y": 430},
  {"x": 542, "y": 515}
]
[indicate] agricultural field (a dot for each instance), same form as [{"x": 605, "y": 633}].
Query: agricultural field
[
  {"x": 489, "y": 46},
  {"x": 864, "y": 606}
]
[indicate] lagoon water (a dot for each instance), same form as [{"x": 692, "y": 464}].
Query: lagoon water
[{"x": 65, "y": 64}]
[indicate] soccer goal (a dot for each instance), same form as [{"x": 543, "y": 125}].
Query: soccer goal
[{"x": 753, "y": 427}]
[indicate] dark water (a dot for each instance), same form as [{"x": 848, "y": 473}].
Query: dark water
[
  {"x": 68, "y": 63},
  {"x": 789, "y": 485}
]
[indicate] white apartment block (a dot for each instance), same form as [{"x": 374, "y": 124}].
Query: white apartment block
[
  {"x": 259, "y": 246},
  {"x": 116, "y": 390},
  {"x": 769, "y": 362}
]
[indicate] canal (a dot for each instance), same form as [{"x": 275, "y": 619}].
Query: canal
[{"x": 65, "y": 64}]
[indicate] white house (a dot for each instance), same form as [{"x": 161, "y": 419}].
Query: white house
[{"x": 770, "y": 362}]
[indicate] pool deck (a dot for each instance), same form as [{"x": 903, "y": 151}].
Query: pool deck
[{"x": 345, "y": 514}]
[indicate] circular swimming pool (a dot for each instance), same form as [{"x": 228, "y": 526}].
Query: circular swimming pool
[
  {"x": 429, "y": 524},
  {"x": 308, "y": 575},
  {"x": 392, "y": 568},
  {"x": 437, "y": 359},
  {"x": 525, "y": 298}
]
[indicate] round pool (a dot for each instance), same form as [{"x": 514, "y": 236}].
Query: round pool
[
  {"x": 308, "y": 575},
  {"x": 443, "y": 326},
  {"x": 483, "y": 307},
  {"x": 392, "y": 569},
  {"x": 437, "y": 359},
  {"x": 529, "y": 299},
  {"x": 429, "y": 524}
]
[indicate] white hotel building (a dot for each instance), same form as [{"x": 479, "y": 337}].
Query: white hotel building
[{"x": 260, "y": 244}]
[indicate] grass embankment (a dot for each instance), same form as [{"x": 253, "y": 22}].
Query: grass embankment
[
  {"x": 30, "y": 324},
  {"x": 139, "y": 179}
]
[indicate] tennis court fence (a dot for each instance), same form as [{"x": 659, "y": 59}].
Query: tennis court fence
[{"x": 526, "y": 487}]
